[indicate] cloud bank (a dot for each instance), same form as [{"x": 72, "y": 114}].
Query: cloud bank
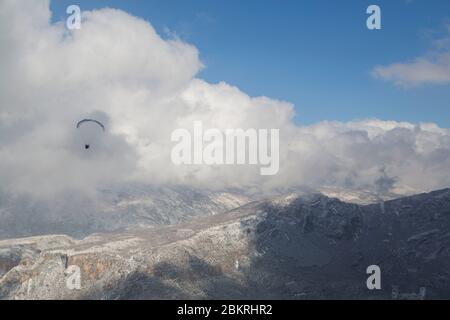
[{"x": 117, "y": 69}]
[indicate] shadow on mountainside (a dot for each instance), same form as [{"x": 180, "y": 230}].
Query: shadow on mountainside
[{"x": 320, "y": 247}]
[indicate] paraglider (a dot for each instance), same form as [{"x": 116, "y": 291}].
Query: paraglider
[{"x": 95, "y": 122}]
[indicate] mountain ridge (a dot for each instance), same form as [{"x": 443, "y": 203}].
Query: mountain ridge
[{"x": 312, "y": 247}]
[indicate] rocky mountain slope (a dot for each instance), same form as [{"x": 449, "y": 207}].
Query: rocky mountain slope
[
  {"x": 307, "y": 247},
  {"x": 111, "y": 209},
  {"x": 133, "y": 205}
]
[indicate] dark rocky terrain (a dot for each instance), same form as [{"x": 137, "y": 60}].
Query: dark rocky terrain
[{"x": 307, "y": 247}]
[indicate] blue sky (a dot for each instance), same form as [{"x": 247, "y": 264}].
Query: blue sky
[{"x": 317, "y": 55}]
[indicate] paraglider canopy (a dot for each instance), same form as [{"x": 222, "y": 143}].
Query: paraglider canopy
[{"x": 90, "y": 120}]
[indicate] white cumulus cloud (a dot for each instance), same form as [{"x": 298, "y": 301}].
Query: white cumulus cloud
[
  {"x": 117, "y": 69},
  {"x": 433, "y": 68}
]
